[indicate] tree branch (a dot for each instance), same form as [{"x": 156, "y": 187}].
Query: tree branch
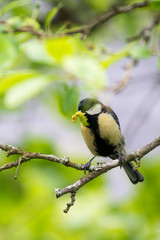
[
  {"x": 94, "y": 171},
  {"x": 105, "y": 167},
  {"x": 145, "y": 32},
  {"x": 106, "y": 16},
  {"x": 122, "y": 84},
  {"x": 27, "y": 29},
  {"x": 85, "y": 29},
  {"x": 125, "y": 79},
  {"x": 26, "y": 156}
]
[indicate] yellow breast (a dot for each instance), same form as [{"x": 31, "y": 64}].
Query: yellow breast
[
  {"x": 109, "y": 129},
  {"x": 89, "y": 139}
]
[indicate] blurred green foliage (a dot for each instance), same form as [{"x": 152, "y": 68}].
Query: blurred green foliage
[
  {"x": 31, "y": 211},
  {"x": 58, "y": 70},
  {"x": 62, "y": 59}
]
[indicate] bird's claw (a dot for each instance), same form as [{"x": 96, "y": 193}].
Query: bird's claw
[
  {"x": 86, "y": 166},
  {"x": 121, "y": 160}
]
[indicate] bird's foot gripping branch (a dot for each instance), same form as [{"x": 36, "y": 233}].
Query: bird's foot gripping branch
[{"x": 95, "y": 171}]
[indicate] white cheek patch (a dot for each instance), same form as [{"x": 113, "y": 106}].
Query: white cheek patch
[{"x": 95, "y": 110}]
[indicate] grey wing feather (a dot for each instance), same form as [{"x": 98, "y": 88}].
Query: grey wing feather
[{"x": 110, "y": 111}]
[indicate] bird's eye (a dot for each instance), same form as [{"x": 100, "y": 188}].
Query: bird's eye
[{"x": 96, "y": 109}]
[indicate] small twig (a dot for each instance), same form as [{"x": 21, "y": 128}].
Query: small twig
[
  {"x": 146, "y": 31},
  {"x": 19, "y": 162},
  {"x": 112, "y": 91},
  {"x": 69, "y": 205},
  {"x": 127, "y": 76},
  {"x": 28, "y": 29},
  {"x": 137, "y": 161}
]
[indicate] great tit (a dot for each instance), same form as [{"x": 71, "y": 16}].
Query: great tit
[{"x": 101, "y": 131}]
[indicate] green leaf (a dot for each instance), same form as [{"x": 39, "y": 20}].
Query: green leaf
[
  {"x": 88, "y": 70},
  {"x": 15, "y": 21},
  {"x": 13, "y": 4},
  {"x": 68, "y": 98},
  {"x": 139, "y": 52},
  {"x": 98, "y": 6},
  {"x": 8, "y": 50},
  {"x": 25, "y": 90},
  {"x": 59, "y": 48},
  {"x": 113, "y": 58},
  {"x": 27, "y": 21},
  {"x": 51, "y": 15},
  {"x": 21, "y": 21},
  {"x": 36, "y": 51},
  {"x": 12, "y": 79},
  {"x": 154, "y": 4},
  {"x": 84, "y": 120}
]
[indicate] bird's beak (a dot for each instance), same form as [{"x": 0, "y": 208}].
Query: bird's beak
[{"x": 77, "y": 114}]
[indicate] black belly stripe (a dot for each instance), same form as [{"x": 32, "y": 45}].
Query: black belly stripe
[{"x": 104, "y": 148}]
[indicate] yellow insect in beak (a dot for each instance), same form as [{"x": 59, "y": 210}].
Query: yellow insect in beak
[
  {"x": 82, "y": 117},
  {"x": 74, "y": 117}
]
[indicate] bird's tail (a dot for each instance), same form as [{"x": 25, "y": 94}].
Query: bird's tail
[{"x": 134, "y": 175}]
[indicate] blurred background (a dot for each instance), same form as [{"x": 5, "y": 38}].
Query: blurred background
[{"x": 42, "y": 79}]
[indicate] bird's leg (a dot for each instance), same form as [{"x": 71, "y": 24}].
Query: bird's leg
[
  {"x": 121, "y": 159},
  {"x": 87, "y": 165}
]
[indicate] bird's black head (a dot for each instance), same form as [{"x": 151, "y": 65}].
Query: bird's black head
[{"x": 90, "y": 105}]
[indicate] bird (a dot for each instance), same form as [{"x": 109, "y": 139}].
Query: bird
[{"x": 102, "y": 134}]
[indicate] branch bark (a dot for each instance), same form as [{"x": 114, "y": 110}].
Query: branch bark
[
  {"x": 146, "y": 32},
  {"x": 106, "y": 16},
  {"x": 105, "y": 167},
  {"x": 26, "y": 156},
  {"x": 94, "y": 171}
]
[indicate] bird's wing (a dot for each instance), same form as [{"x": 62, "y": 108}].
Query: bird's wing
[{"x": 110, "y": 111}]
